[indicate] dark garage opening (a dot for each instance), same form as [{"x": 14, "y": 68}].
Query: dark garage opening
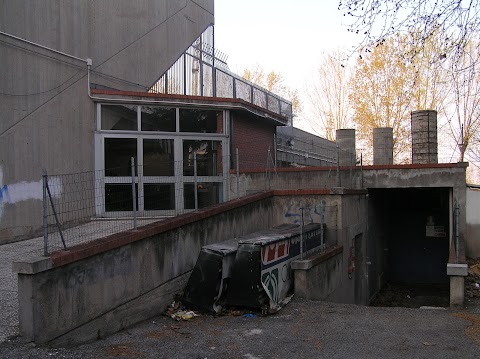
[{"x": 409, "y": 246}]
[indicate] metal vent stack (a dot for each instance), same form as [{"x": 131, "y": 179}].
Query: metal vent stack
[
  {"x": 345, "y": 139},
  {"x": 383, "y": 146},
  {"x": 424, "y": 137}
]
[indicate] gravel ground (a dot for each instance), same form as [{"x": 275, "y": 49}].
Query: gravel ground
[{"x": 303, "y": 329}]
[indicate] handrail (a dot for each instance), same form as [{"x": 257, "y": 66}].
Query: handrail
[{"x": 195, "y": 74}]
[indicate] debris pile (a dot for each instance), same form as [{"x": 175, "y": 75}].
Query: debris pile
[
  {"x": 177, "y": 312},
  {"x": 472, "y": 281}
]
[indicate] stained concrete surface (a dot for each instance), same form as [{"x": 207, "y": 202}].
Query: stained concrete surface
[
  {"x": 9, "y": 285},
  {"x": 12, "y": 252},
  {"x": 303, "y": 329}
]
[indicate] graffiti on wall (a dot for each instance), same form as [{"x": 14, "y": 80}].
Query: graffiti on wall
[
  {"x": 25, "y": 191},
  {"x": 311, "y": 214}
]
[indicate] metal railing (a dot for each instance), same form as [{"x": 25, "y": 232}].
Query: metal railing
[{"x": 203, "y": 71}]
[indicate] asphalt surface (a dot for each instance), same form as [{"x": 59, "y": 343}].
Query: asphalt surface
[{"x": 303, "y": 329}]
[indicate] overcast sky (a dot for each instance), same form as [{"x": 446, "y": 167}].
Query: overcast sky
[{"x": 281, "y": 35}]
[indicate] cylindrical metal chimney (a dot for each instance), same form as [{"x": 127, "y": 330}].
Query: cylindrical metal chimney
[
  {"x": 424, "y": 137},
  {"x": 383, "y": 146},
  {"x": 345, "y": 139}
]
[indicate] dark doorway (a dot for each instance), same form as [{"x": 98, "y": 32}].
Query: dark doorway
[{"x": 409, "y": 237}]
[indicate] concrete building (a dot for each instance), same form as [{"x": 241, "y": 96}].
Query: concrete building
[
  {"x": 76, "y": 88},
  {"x": 296, "y": 148}
]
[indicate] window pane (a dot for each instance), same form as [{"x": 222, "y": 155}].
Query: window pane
[
  {"x": 119, "y": 117},
  {"x": 158, "y": 119},
  {"x": 204, "y": 121},
  {"x": 158, "y": 158},
  {"x": 118, "y": 197},
  {"x": 209, "y": 158},
  {"x": 159, "y": 196},
  {"x": 208, "y": 194},
  {"x": 118, "y": 154}
]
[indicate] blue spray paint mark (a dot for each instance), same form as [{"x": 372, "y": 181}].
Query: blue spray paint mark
[{"x": 4, "y": 195}]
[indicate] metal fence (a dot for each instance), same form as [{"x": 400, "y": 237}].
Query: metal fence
[{"x": 82, "y": 207}]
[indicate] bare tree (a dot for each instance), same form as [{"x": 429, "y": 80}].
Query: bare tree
[
  {"x": 463, "y": 109},
  {"x": 328, "y": 96},
  {"x": 375, "y": 20}
]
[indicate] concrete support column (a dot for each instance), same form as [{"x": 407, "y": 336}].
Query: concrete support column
[
  {"x": 457, "y": 286},
  {"x": 345, "y": 139},
  {"x": 383, "y": 146},
  {"x": 457, "y": 273}
]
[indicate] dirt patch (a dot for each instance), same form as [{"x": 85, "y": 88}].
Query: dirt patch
[
  {"x": 412, "y": 296},
  {"x": 123, "y": 350},
  {"x": 472, "y": 282},
  {"x": 473, "y": 331}
]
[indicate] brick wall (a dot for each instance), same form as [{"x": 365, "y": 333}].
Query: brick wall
[{"x": 253, "y": 137}]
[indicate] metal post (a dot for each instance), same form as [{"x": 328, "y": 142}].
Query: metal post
[
  {"x": 45, "y": 214},
  {"x": 361, "y": 167},
  {"x": 166, "y": 82},
  {"x": 184, "y": 74},
  {"x": 339, "y": 180},
  {"x": 238, "y": 173},
  {"x": 195, "y": 184},
  {"x": 57, "y": 221},
  {"x": 301, "y": 234},
  {"x": 200, "y": 64},
  {"x": 322, "y": 223},
  {"x": 134, "y": 194},
  {"x": 268, "y": 169},
  {"x": 457, "y": 231},
  {"x": 214, "y": 81},
  {"x": 275, "y": 149}
]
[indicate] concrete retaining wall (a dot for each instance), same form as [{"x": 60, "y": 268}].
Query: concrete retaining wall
[
  {"x": 472, "y": 243},
  {"x": 100, "y": 288},
  {"x": 319, "y": 276}
]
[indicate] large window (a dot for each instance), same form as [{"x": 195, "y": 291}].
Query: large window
[
  {"x": 119, "y": 117},
  {"x": 208, "y": 157},
  {"x": 158, "y": 157},
  {"x": 119, "y": 197},
  {"x": 118, "y": 156},
  {"x": 202, "y": 121},
  {"x": 158, "y": 119},
  {"x": 208, "y": 194},
  {"x": 177, "y": 154}
]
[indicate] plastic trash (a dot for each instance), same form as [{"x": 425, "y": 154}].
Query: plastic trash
[
  {"x": 249, "y": 315},
  {"x": 184, "y": 315}
]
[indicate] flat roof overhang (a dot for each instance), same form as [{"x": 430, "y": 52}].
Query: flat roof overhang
[{"x": 129, "y": 97}]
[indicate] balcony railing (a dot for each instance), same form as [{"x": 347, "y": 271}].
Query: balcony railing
[{"x": 202, "y": 71}]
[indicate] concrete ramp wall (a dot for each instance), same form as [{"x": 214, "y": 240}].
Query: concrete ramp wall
[
  {"x": 91, "y": 291},
  {"x": 104, "y": 286}
]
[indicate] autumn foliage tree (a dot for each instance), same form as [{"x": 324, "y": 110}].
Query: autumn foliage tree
[
  {"x": 274, "y": 82},
  {"x": 381, "y": 96}
]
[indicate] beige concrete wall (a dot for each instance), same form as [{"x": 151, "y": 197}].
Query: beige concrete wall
[
  {"x": 118, "y": 286},
  {"x": 47, "y": 120},
  {"x": 472, "y": 247}
]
